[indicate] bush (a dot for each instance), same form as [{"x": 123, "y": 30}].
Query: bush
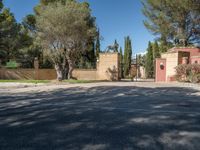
[
  {"x": 188, "y": 73},
  {"x": 12, "y": 64}
]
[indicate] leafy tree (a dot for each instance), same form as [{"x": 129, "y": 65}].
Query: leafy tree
[
  {"x": 29, "y": 22},
  {"x": 141, "y": 60},
  {"x": 9, "y": 36},
  {"x": 88, "y": 55},
  {"x": 127, "y": 55},
  {"x": 149, "y": 64},
  {"x": 173, "y": 20},
  {"x": 1, "y": 5},
  {"x": 15, "y": 39},
  {"x": 64, "y": 31},
  {"x": 38, "y": 9},
  {"x": 86, "y": 58}
]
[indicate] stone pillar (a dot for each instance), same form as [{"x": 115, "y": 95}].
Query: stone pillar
[
  {"x": 36, "y": 67},
  {"x": 108, "y": 66}
]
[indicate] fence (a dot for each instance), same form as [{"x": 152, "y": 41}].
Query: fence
[{"x": 108, "y": 68}]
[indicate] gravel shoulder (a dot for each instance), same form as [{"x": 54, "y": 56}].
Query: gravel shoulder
[{"x": 42, "y": 87}]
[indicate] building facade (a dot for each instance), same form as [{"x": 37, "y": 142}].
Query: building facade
[{"x": 165, "y": 66}]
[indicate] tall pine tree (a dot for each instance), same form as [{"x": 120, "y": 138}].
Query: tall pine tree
[
  {"x": 173, "y": 19},
  {"x": 9, "y": 34}
]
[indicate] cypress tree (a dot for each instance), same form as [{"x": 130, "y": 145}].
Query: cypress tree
[
  {"x": 98, "y": 46},
  {"x": 121, "y": 55},
  {"x": 149, "y": 65},
  {"x": 116, "y": 45},
  {"x": 121, "y": 61},
  {"x": 129, "y": 52},
  {"x": 127, "y": 56},
  {"x": 156, "y": 50}
]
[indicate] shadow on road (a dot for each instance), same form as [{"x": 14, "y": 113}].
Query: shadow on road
[{"x": 99, "y": 118}]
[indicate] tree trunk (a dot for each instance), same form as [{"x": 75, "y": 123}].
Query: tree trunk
[
  {"x": 65, "y": 68},
  {"x": 71, "y": 68},
  {"x": 59, "y": 72}
]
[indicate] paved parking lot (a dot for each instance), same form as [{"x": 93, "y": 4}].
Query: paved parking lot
[{"x": 100, "y": 116}]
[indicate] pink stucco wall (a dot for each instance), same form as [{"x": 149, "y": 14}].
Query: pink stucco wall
[
  {"x": 172, "y": 58},
  {"x": 193, "y": 52},
  {"x": 160, "y": 72}
]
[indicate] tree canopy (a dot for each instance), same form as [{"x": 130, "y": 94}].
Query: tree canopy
[
  {"x": 173, "y": 20},
  {"x": 65, "y": 28}
]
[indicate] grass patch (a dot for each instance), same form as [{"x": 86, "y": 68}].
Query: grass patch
[
  {"x": 24, "y": 81},
  {"x": 81, "y": 81}
]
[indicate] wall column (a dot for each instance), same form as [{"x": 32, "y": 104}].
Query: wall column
[{"x": 36, "y": 67}]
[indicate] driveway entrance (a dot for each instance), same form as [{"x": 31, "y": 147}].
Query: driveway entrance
[{"x": 100, "y": 116}]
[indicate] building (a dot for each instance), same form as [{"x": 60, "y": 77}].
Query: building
[{"x": 165, "y": 66}]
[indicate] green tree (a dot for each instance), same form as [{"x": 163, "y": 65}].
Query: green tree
[
  {"x": 98, "y": 45},
  {"x": 149, "y": 64},
  {"x": 156, "y": 50},
  {"x": 116, "y": 46},
  {"x": 38, "y": 9},
  {"x": 9, "y": 35},
  {"x": 29, "y": 22},
  {"x": 64, "y": 32},
  {"x": 141, "y": 60},
  {"x": 127, "y": 55},
  {"x": 89, "y": 54},
  {"x": 121, "y": 61},
  {"x": 86, "y": 58},
  {"x": 1, "y": 5},
  {"x": 173, "y": 19}
]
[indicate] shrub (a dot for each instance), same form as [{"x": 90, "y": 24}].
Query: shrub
[
  {"x": 188, "y": 73},
  {"x": 182, "y": 71},
  {"x": 12, "y": 64}
]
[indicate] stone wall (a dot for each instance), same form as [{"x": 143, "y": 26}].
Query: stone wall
[
  {"x": 85, "y": 74},
  {"x": 108, "y": 68},
  {"x": 28, "y": 74},
  {"x": 21, "y": 74}
]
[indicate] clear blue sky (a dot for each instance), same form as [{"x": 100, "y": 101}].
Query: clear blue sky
[{"x": 115, "y": 18}]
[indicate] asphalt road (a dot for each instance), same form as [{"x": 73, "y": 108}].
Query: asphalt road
[{"x": 101, "y": 117}]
